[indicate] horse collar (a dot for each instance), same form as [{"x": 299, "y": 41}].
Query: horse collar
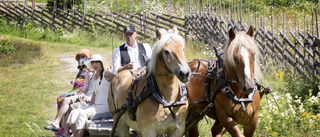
[{"x": 157, "y": 97}]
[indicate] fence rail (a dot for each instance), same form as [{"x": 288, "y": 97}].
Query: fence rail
[{"x": 298, "y": 51}]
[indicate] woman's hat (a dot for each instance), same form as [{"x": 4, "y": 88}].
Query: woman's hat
[
  {"x": 97, "y": 57},
  {"x": 83, "y": 52}
]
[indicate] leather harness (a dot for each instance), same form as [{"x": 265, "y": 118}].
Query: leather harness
[
  {"x": 217, "y": 73},
  {"x": 151, "y": 90}
]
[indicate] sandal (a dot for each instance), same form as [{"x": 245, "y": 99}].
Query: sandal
[{"x": 51, "y": 127}]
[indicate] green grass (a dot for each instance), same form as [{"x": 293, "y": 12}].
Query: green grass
[{"x": 29, "y": 90}]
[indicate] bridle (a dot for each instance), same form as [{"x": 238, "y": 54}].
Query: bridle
[{"x": 165, "y": 66}]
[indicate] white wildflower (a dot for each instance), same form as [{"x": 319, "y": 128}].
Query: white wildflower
[
  {"x": 301, "y": 108},
  {"x": 313, "y": 100}
]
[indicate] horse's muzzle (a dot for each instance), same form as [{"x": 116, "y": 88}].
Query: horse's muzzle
[
  {"x": 247, "y": 90},
  {"x": 184, "y": 74}
]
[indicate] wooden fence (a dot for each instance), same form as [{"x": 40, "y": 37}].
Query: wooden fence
[
  {"x": 70, "y": 19},
  {"x": 298, "y": 51}
]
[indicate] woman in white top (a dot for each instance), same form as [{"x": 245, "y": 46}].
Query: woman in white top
[
  {"x": 99, "y": 102},
  {"x": 84, "y": 94}
]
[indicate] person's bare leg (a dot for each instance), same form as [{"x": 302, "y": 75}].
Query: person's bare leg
[
  {"x": 64, "y": 108},
  {"x": 65, "y": 124},
  {"x": 80, "y": 133},
  {"x": 73, "y": 129}
]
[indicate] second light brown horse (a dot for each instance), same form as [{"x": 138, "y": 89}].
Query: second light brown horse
[{"x": 241, "y": 71}]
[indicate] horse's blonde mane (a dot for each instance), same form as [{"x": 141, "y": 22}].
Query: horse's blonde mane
[
  {"x": 243, "y": 40},
  {"x": 166, "y": 37}
]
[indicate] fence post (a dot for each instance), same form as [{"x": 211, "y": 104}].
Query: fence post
[
  {"x": 54, "y": 14},
  {"x": 283, "y": 41},
  {"x": 7, "y": 10},
  {"x": 95, "y": 14},
  {"x": 287, "y": 26},
  {"x": 317, "y": 25},
  {"x": 272, "y": 40},
  {"x": 295, "y": 46},
  {"x": 24, "y": 11},
  {"x": 141, "y": 22},
  {"x": 14, "y": 7},
  {"x": 249, "y": 19},
  {"x": 73, "y": 15},
  {"x": 264, "y": 15},
  {"x": 118, "y": 10},
  {"x": 255, "y": 12},
  {"x": 33, "y": 6},
  {"x": 314, "y": 71},
  {"x": 312, "y": 18},
  {"x": 238, "y": 16},
  {"x": 241, "y": 11}
]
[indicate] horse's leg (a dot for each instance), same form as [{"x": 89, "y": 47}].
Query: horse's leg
[
  {"x": 250, "y": 128},
  {"x": 231, "y": 125},
  {"x": 194, "y": 132},
  {"x": 123, "y": 129},
  {"x": 216, "y": 129}
]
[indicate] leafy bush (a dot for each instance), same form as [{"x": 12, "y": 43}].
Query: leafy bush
[{"x": 5, "y": 46}]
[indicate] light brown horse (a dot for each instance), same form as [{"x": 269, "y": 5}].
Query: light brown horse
[
  {"x": 242, "y": 73},
  {"x": 168, "y": 65}
]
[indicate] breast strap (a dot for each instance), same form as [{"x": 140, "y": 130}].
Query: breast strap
[{"x": 152, "y": 90}]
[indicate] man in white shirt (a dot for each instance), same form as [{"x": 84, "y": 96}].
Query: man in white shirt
[{"x": 131, "y": 55}]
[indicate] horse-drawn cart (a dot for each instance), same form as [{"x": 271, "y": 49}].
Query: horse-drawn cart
[{"x": 227, "y": 90}]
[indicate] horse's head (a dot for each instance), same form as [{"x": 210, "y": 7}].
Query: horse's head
[
  {"x": 240, "y": 57},
  {"x": 169, "y": 51}
]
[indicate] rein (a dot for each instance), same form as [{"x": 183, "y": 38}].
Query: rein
[{"x": 204, "y": 74}]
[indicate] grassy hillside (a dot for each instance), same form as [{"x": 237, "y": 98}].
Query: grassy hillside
[{"x": 30, "y": 84}]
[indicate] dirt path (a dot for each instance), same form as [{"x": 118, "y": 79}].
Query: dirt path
[{"x": 71, "y": 63}]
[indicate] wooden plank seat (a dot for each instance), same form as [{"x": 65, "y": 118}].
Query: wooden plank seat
[{"x": 101, "y": 125}]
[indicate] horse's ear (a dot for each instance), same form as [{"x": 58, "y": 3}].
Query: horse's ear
[
  {"x": 250, "y": 31},
  {"x": 175, "y": 30},
  {"x": 158, "y": 34},
  {"x": 232, "y": 34}
]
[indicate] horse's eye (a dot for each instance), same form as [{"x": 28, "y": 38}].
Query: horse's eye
[{"x": 166, "y": 52}]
